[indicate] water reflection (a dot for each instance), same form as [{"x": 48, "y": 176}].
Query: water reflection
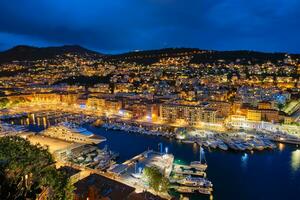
[
  {"x": 244, "y": 160},
  {"x": 32, "y": 120},
  {"x": 281, "y": 146},
  {"x": 295, "y": 160},
  {"x": 195, "y": 148}
]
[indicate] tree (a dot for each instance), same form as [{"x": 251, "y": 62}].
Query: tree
[
  {"x": 280, "y": 106},
  {"x": 3, "y": 102},
  {"x": 156, "y": 179},
  {"x": 27, "y": 169}
]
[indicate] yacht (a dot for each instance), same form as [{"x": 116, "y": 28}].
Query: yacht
[
  {"x": 73, "y": 133},
  {"x": 198, "y": 164},
  {"x": 256, "y": 145},
  {"x": 247, "y": 145},
  {"x": 184, "y": 189},
  {"x": 205, "y": 190},
  {"x": 223, "y": 146},
  {"x": 240, "y": 146},
  {"x": 195, "y": 181},
  {"x": 232, "y": 145}
]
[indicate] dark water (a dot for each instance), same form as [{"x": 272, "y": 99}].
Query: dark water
[{"x": 266, "y": 175}]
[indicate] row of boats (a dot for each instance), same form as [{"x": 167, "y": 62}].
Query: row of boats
[
  {"x": 95, "y": 158},
  {"x": 285, "y": 138},
  {"x": 238, "y": 142},
  {"x": 254, "y": 144}
]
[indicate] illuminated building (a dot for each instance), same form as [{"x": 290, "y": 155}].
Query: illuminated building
[
  {"x": 265, "y": 105},
  {"x": 191, "y": 114},
  {"x": 100, "y": 88},
  {"x": 95, "y": 103},
  {"x": 254, "y": 115},
  {"x": 267, "y": 115},
  {"x": 122, "y": 87},
  {"x": 223, "y": 108},
  {"x": 113, "y": 105}
]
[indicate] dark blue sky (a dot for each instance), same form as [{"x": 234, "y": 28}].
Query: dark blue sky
[{"x": 120, "y": 25}]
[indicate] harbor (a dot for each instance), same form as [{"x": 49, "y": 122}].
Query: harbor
[
  {"x": 222, "y": 166},
  {"x": 187, "y": 177},
  {"x": 231, "y": 140},
  {"x": 237, "y": 141}
]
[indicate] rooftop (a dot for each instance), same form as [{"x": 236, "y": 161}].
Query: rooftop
[{"x": 100, "y": 187}]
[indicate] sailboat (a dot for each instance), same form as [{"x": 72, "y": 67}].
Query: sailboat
[{"x": 198, "y": 164}]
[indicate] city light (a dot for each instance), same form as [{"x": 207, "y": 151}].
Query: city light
[{"x": 77, "y": 123}]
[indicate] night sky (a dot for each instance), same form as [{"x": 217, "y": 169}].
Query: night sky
[{"x": 113, "y": 26}]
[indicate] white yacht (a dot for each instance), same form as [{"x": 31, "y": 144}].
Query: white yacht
[
  {"x": 195, "y": 181},
  {"x": 73, "y": 133},
  {"x": 198, "y": 164}
]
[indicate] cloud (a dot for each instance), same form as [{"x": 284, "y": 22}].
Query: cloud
[{"x": 122, "y": 25}]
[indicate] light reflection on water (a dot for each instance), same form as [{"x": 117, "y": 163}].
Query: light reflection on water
[
  {"x": 295, "y": 160},
  {"x": 195, "y": 148},
  {"x": 32, "y": 120},
  {"x": 281, "y": 146},
  {"x": 244, "y": 160}
]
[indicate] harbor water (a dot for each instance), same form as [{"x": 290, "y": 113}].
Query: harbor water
[
  {"x": 261, "y": 175},
  {"x": 264, "y": 175}
]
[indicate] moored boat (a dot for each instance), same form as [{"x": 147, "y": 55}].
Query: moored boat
[
  {"x": 198, "y": 164},
  {"x": 195, "y": 181}
]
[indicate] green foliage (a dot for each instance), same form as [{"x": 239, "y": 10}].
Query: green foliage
[
  {"x": 3, "y": 102},
  {"x": 26, "y": 169},
  {"x": 156, "y": 179},
  {"x": 280, "y": 106},
  {"x": 295, "y": 123}
]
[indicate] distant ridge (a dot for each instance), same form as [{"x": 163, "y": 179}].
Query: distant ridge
[
  {"x": 24, "y": 52},
  {"x": 200, "y": 56}
]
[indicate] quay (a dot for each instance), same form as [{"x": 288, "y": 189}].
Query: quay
[{"x": 130, "y": 171}]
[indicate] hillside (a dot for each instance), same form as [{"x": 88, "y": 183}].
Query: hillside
[
  {"x": 200, "y": 56},
  {"x": 29, "y": 53}
]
